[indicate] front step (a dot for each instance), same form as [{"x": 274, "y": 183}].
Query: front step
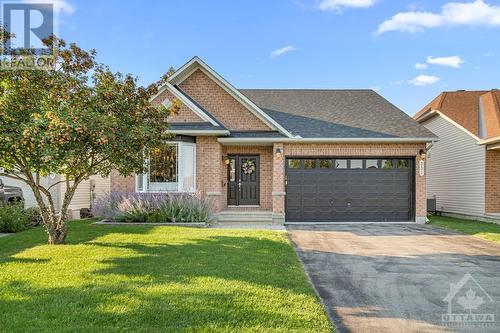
[{"x": 245, "y": 217}]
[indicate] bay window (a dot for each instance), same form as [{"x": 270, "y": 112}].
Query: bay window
[{"x": 170, "y": 167}]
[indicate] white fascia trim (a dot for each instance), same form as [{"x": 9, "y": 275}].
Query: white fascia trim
[
  {"x": 325, "y": 140},
  {"x": 437, "y": 112},
  {"x": 183, "y": 68},
  {"x": 490, "y": 141},
  {"x": 185, "y": 101},
  {"x": 199, "y": 132},
  {"x": 229, "y": 89},
  {"x": 426, "y": 116},
  {"x": 494, "y": 146}
]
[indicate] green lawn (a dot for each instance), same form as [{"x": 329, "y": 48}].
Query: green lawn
[
  {"x": 483, "y": 230},
  {"x": 151, "y": 279}
]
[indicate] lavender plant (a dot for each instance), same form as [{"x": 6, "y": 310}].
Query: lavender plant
[{"x": 154, "y": 207}]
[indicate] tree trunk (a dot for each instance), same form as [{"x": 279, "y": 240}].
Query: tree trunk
[
  {"x": 54, "y": 224},
  {"x": 58, "y": 234},
  {"x": 58, "y": 229}
]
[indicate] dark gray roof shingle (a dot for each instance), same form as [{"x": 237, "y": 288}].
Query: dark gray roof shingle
[
  {"x": 256, "y": 134},
  {"x": 336, "y": 113},
  {"x": 202, "y": 126}
]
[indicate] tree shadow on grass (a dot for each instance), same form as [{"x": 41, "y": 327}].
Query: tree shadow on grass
[
  {"x": 249, "y": 259},
  {"x": 206, "y": 281},
  {"x": 79, "y": 232},
  {"x": 117, "y": 308}
]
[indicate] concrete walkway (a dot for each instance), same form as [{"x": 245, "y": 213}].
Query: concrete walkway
[
  {"x": 249, "y": 226},
  {"x": 398, "y": 278},
  {"x": 3, "y": 235}
]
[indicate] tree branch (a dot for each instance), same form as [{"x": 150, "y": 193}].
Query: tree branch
[{"x": 8, "y": 175}]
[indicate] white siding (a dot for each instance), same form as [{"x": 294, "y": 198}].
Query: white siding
[
  {"x": 81, "y": 199},
  {"x": 82, "y": 196},
  {"x": 455, "y": 169},
  {"x": 29, "y": 197}
]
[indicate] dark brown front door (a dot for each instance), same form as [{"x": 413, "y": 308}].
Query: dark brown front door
[{"x": 243, "y": 181}]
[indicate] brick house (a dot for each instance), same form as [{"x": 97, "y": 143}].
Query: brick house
[
  {"x": 287, "y": 155},
  {"x": 464, "y": 166}
]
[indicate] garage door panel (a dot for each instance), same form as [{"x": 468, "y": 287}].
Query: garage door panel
[
  {"x": 366, "y": 194},
  {"x": 324, "y": 201},
  {"x": 309, "y": 202}
]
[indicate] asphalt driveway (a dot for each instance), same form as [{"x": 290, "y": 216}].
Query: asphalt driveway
[{"x": 402, "y": 277}]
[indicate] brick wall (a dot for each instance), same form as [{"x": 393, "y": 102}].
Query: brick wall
[
  {"x": 211, "y": 172},
  {"x": 350, "y": 150},
  {"x": 278, "y": 191},
  {"x": 266, "y": 172},
  {"x": 120, "y": 183},
  {"x": 492, "y": 181},
  {"x": 185, "y": 114},
  {"x": 220, "y": 104},
  {"x": 208, "y": 169}
]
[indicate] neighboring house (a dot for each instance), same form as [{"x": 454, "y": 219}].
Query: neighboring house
[
  {"x": 464, "y": 166},
  {"x": 287, "y": 155},
  {"x": 83, "y": 197}
]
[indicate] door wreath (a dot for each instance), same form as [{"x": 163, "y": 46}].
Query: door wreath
[{"x": 248, "y": 167}]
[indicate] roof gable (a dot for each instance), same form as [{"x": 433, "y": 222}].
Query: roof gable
[
  {"x": 185, "y": 114},
  {"x": 203, "y": 91},
  {"x": 196, "y": 64},
  {"x": 478, "y": 112},
  {"x": 167, "y": 90}
]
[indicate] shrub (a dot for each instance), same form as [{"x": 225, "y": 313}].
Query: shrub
[
  {"x": 13, "y": 218},
  {"x": 154, "y": 207},
  {"x": 34, "y": 216}
]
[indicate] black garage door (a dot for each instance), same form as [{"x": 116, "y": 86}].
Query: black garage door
[{"x": 349, "y": 189}]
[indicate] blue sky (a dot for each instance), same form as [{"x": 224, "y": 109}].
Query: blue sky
[{"x": 317, "y": 44}]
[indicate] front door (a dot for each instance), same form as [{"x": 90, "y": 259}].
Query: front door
[{"x": 243, "y": 181}]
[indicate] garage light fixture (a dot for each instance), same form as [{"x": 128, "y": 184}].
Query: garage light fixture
[
  {"x": 225, "y": 159},
  {"x": 423, "y": 154},
  {"x": 279, "y": 153}
]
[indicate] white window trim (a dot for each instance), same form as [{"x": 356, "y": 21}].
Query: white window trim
[{"x": 180, "y": 179}]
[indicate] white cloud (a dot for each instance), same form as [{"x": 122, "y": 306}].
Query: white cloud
[
  {"x": 424, "y": 80},
  {"x": 340, "y": 4},
  {"x": 489, "y": 54},
  {"x": 283, "y": 50},
  {"x": 452, "y": 14},
  {"x": 375, "y": 88},
  {"x": 453, "y": 61},
  {"x": 62, "y": 6},
  {"x": 420, "y": 66}
]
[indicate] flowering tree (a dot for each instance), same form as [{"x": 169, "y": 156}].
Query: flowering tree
[{"x": 78, "y": 120}]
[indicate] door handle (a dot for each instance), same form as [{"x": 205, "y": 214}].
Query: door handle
[{"x": 239, "y": 184}]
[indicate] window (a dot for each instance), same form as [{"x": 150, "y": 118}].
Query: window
[
  {"x": 309, "y": 164},
  {"x": 340, "y": 164},
  {"x": 167, "y": 103},
  {"x": 171, "y": 167},
  {"x": 163, "y": 164},
  {"x": 325, "y": 164},
  {"x": 356, "y": 164},
  {"x": 403, "y": 164},
  {"x": 372, "y": 164},
  {"x": 294, "y": 164},
  {"x": 387, "y": 164},
  {"x": 232, "y": 170}
]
